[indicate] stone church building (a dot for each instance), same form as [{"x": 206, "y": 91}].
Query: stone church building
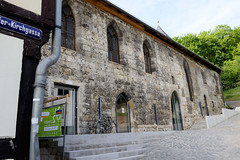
[{"x": 144, "y": 80}]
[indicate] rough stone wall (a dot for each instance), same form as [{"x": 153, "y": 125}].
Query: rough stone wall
[{"x": 89, "y": 69}]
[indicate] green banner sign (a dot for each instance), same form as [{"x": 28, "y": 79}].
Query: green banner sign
[{"x": 50, "y": 123}]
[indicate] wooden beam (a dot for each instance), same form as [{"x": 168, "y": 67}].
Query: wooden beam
[{"x": 56, "y": 98}]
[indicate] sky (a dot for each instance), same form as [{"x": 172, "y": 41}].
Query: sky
[{"x": 179, "y": 17}]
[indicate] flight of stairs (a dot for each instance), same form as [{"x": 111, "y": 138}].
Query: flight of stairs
[{"x": 121, "y": 146}]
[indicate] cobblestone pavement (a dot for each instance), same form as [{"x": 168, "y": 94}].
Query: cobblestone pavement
[{"x": 219, "y": 143}]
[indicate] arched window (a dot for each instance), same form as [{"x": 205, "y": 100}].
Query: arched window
[
  {"x": 189, "y": 79},
  {"x": 173, "y": 80},
  {"x": 147, "y": 58},
  {"x": 113, "y": 50},
  {"x": 206, "y": 106},
  {"x": 176, "y": 112},
  {"x": 68, "y": 29}
]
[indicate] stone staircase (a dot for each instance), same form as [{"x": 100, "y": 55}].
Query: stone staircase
[
  {"x": 121, "y": 146},
  {"x": 201, "y": 124}
]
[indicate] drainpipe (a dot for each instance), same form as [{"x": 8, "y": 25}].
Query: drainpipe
[{"x": 40, "y": 82}]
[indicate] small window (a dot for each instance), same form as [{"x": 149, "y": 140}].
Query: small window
[
  {"x": 147, "y": 59},
  {"x": 62, "y": 92},
  {"x": 173, "y": 80},
  {"x": 68, "y": 30},
  {"x": 113, "y": 50}
]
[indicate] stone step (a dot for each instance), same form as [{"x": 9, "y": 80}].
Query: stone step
[
  {"x": 103, "y": 138},
  {"x": 138, "y": 157},
  {"x": 69, "y": 147},
  {"x": 109, "y": 146},
  {"x": 111, "y": 156},
  {"x": 97, "y": 151}
]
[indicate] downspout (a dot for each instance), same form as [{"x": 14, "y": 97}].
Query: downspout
[{"x": 40, "y": 82}]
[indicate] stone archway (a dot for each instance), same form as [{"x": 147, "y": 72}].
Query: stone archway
[
  {"x": 176, "y": 112},
  {"x": 123, "y": 122}
]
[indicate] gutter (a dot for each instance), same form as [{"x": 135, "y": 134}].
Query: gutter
[{"x": 40, "y": 82}]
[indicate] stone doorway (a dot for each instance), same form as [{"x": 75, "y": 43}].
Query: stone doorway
[
  {"x": 176, "y": 112},
  {"x": 71, "y": 116},
  {"x": 122, "y": 114}
]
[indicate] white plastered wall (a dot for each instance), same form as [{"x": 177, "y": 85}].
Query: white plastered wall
[
  {"x": 31, "y": 5},
  {"x": 11, "y": 50}
]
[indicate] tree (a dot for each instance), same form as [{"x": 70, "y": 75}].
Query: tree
[
  {"x": 221, "y": 46},
  {"x": 215, "y": 45},
  {"x": 230, "y": 75}
]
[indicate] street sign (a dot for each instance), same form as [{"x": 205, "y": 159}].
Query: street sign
[{"x": 20, "y": 28}]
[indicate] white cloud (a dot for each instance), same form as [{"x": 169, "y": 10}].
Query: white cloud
[{"x": 178, "y": 17}]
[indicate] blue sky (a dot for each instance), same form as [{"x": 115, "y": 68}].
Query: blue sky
[{"x": 178, "y": 17}]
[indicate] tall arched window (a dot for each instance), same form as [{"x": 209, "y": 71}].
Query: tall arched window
[
  {"x": 113, "y": 50},
  {"x": 206, "y": 106},
  {"x": 68, "y": 29},
  {"x": 147, "y": 58},
  {"x": 189, "y": 79}
]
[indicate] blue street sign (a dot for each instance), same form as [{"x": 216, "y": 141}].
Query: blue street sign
[{"x": 20, "y": 28}]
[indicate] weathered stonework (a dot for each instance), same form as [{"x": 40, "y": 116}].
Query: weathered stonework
[{"x": 88, "y": 69}]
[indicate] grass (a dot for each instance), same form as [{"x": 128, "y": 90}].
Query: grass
[{"x": 232, "y": 94}]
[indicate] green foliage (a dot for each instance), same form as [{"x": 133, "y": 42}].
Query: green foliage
[
  {"x": 232, "y": 94},
  {"x": 220, "y": 46},
  {"x": 230, "y": 75}
]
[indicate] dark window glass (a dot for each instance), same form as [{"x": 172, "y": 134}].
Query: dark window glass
[
  {"x": 147, "y": 59},
  {"x": 60, "y": 92},
  {"x": 173, "y": 80},
  {"x": 66, "y": 92},
  {"x": 68, "y": 33},
  {"x": 113, "y": 50}
]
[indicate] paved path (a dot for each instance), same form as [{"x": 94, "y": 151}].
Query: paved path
[
  {"x": 219, "y": 143},
  {"x": 233, "y": 104}
]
